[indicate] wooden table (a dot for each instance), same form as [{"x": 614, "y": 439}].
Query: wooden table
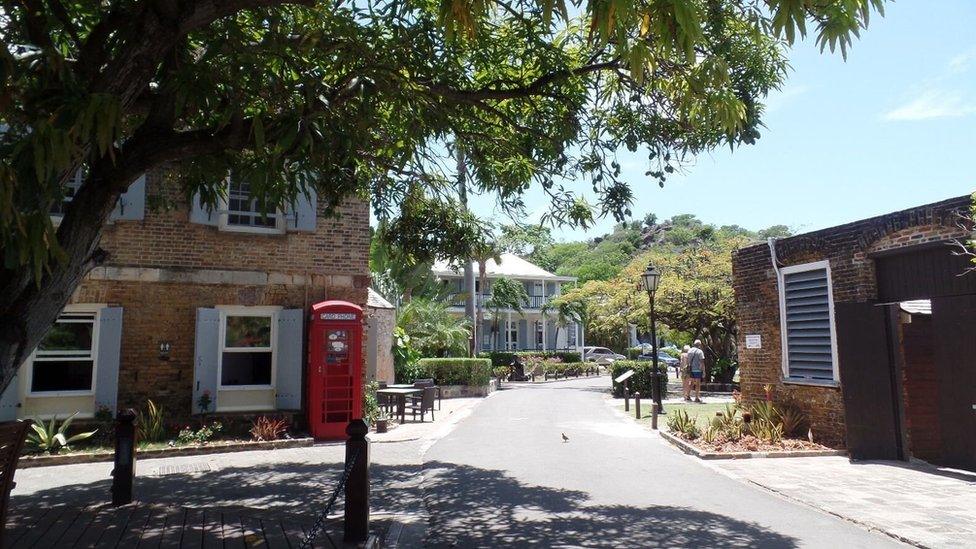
[
  {"x": 401, "y": 395},
  {"x": 408, "y": 385}
]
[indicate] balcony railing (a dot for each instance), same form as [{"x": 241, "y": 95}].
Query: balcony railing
[{"x": 535, "y": 301}]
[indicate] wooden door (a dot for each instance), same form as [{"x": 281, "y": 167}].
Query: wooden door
[
  {"x": 867, "y": 381},
  {"x": 954, "y": 329}
]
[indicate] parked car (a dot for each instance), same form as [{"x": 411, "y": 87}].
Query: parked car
[
  {"x": 601, "y": 355},
  {"x": 662, "y": 358}
]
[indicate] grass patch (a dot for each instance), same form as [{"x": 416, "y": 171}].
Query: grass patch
[{"x": 701, "y": 413}]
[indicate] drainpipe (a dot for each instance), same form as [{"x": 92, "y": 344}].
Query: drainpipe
[{"x": 771, "y": 242}]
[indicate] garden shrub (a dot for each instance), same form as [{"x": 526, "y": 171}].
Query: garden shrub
[
  {"x": 457, "y": 371},
  {"x": 640, "y": 382},
  {"x": 633, "y": 352},
  {"x": 371, "y": 406},
  {"x": 504, "y": 358}
]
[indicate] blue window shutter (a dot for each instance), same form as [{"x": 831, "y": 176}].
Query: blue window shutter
[
  {"x": 207, "y": 356},
  {"x": 10, "y": 400},
  {"x": 523, "y": 329},
  {"x": 107, "y": 361},
  {"x": 132, "y": 204},
  {"x": 550, "y": 335},
  {"x": 201, "y": 213},
  {"x": 289, "y": 360},
  {"x": 301, "y": 215}
]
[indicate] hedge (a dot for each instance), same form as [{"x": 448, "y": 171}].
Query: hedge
[
  {"x": 504, "y": 358},
  {"x": 457, "y": 371},
  {"x": 641, "y": 380}
]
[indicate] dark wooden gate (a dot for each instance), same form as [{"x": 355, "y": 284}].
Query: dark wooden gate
[
  {"x": 954, "y": 327},
  {"x": 866, "y": 374}
]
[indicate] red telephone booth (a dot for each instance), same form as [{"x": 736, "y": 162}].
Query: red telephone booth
[{"x": 335, "y": 368}]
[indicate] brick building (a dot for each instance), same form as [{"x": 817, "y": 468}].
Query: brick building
[
  {"x": 194, "y": 302},
  {"x": 878, "y": 322}
]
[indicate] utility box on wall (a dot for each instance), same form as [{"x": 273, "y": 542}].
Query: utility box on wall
[{"x": 335, "y": 368}]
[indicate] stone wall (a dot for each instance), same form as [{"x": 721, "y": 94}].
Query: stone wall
[
  {"x": 848, "y": 249},
  {"x": 381, "y": 323}
]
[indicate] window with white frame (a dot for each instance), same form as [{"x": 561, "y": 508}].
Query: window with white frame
[
  {"x": 571, "y": 333},
  {"x": 539, "y": 335},
  {"x": 247, "y": 353},
  {"x": 511, "y": 330},
  {"x": 486, "y": 340},
  {"x": 807, "y": 318},
  {"x": 65, "y": 359},
  {"x": 244, "y": 212}
]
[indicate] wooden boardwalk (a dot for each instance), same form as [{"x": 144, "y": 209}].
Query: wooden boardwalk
[{"x": 158, "y": 526}]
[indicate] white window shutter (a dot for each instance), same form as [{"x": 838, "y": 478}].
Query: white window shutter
[
  {"x": 10, "y": 400},
  {"x": 107, "y": 360},
  {"x": 132, "y": 203},
  {"x": 289, "y": 360},
  {"x": 301, "y": 215},
  {"x": 206, "y": 358},
  {"x": 201, "y": 213}
]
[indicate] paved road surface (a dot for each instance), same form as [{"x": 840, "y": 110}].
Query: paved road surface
[{"x": 504, "y": 478}]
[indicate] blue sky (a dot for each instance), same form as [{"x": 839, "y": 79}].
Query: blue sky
[{"x": 892, "y": 127}]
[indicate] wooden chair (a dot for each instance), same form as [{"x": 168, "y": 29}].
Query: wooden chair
[
  {"x": 422, "y": 403},
  {"x": 12, "y": 435},
  {"x": 429, "y": 382},
  {"x": 384, "y": 401}
]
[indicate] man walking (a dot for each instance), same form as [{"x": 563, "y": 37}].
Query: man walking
[
  {"x": 685, "y": 373},
  {"x": 696, "y": 364}
]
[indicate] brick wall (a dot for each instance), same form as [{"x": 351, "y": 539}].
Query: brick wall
[
  {"x": 166, "y": 239},
  {"x": 847, "y": 248},
  {"x": 921, "y": 389},
  {"x": 331, "y": 263}
]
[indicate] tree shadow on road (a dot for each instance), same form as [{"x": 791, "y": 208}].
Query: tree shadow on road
[
  {"x": 469, "y": 506},
  {"x": 473, "y": 507}
]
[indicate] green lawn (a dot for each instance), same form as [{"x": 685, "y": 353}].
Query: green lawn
[{"x": 703, "y": 413}]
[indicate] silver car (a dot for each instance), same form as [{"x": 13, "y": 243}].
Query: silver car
[{"x": 601, "y": 355}]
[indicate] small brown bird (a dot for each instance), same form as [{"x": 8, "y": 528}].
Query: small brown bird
[{"x": 565, "y": 438}]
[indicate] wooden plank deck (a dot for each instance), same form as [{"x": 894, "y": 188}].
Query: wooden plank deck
[{"x": 157, "y": 526}]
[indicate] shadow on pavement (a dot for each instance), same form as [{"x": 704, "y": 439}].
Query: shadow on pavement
[
  {"x": 469, "y": 506},
  {"x": 473, "y": 507}
]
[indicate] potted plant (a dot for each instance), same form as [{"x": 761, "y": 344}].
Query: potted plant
[{"x": 382, "y": 423}]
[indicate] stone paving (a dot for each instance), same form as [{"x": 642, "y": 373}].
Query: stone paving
[
  {"x": 916, "y": 503},
  {"x": 296, "y": 481}
]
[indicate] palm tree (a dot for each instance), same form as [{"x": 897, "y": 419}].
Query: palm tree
[
  {"x": 506, "y": 294},
  {"x": 565, "y": 310},
  {"x": 485, "y": 250},
  {"x": 433, "y": 330}
]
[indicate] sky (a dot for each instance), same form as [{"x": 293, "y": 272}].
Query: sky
[{"x": 892, "y": 127}]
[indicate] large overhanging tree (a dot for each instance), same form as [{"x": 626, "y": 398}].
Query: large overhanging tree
[{"x": 362, "y": 98}]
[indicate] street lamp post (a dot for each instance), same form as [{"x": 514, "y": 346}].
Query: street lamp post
[{"x": 650, "y": 279}]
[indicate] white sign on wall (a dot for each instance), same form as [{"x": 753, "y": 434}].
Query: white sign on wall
[{"x": 753, "y": 341}]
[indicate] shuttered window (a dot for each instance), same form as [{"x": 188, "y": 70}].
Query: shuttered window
[{"x": 807, "y": 321}]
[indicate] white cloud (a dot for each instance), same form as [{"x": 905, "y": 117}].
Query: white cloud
[
  {"x": 778, "y": 99},
  {"x": 931, "y": 104},
  {"x": 961, "y": 63}
]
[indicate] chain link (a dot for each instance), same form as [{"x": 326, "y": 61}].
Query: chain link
[{"x": 320, "y": 521}]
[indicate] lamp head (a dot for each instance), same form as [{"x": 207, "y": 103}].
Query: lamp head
[{"x": 650, "y": 279}]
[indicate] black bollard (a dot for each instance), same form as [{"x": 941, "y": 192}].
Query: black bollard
[
  {"x": 356, "y": 520},
  {"x": 637, "y": 404},
  {"x": 654, "y": 411},
  {"x": 626, "y": 398},
  {"x": 124, "y": 472}
]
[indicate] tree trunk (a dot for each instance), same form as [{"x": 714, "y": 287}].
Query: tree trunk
[{"x": 30, "y": 307}]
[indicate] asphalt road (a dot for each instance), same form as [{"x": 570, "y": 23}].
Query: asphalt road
[{"x": 504, "y": 477}]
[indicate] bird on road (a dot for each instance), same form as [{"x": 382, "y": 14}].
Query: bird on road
[{"x": 565, "y": 438}]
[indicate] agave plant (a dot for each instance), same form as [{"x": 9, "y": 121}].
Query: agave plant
[
  {"x": 52, "y": 438},
  {"x": 152, "y": 427}
]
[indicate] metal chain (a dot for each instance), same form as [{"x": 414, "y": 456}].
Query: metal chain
[{"x": 320, "y": 521}]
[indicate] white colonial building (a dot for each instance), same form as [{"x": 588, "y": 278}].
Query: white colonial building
[{"x": 528, "y": 330}]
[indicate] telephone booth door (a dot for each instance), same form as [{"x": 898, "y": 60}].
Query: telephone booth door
[{"x": 335, "y": 381}]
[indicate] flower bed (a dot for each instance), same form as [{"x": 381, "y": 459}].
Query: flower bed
[{"x": 750, "y": 443}]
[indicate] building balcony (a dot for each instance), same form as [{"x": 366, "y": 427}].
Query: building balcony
[{"x": 535, "y": 301}]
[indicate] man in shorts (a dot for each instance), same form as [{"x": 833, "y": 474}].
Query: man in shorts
[{"x": 696, "y": 365}]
